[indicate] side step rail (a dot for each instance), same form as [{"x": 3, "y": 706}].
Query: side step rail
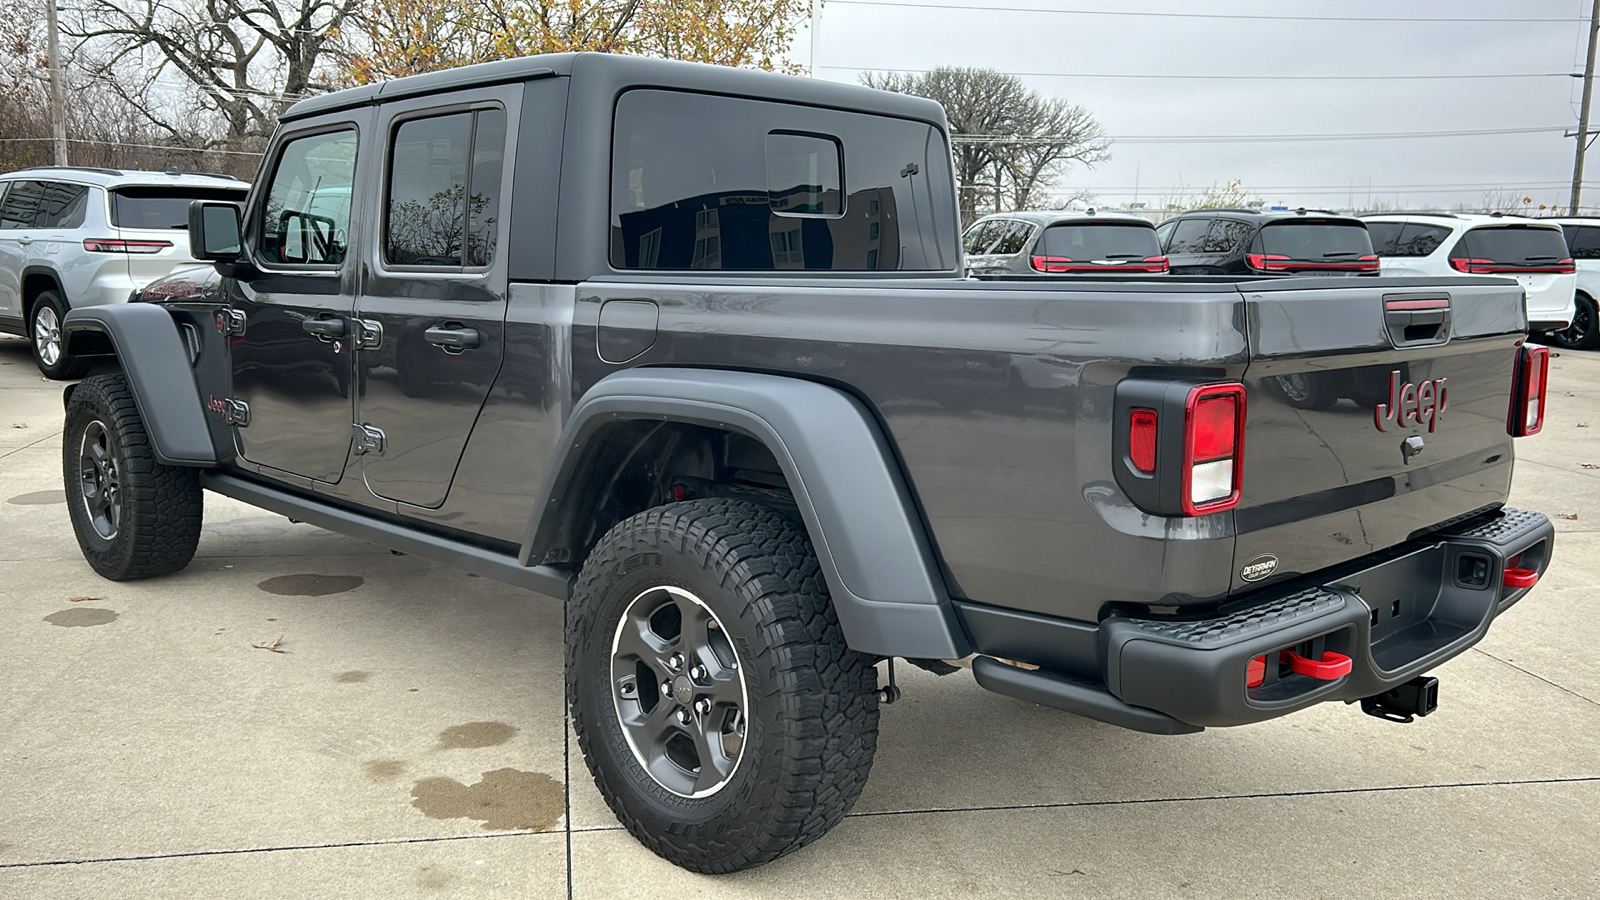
[
  {"x": 1073, "y": 696},
  {"x": 459, "y": 554}
]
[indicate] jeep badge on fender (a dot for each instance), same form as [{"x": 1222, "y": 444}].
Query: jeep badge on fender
[{"x": 1411, "y": 404}]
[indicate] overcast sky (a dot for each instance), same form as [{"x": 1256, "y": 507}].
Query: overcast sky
[{"x": 1407, "y": 172}]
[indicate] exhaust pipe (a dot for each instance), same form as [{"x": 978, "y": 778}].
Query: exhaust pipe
[{"x": 1405, "y": 702}]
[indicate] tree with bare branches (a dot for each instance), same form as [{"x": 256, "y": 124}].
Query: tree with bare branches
[{"x": 1011, "y": 143}]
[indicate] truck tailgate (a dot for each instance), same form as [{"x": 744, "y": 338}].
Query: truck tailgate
[{"x": 1340, "y": 379}]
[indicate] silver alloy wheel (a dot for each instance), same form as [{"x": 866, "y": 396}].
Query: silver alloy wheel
[
  {"x": 47, "y": 334},
  {"x": 679, "y": 691},
  {"x": 99, "y": 482}
]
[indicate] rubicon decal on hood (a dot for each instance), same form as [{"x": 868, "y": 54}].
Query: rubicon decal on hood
[
  {"x": 1259, "y": 568},
  {"x": 1411, "y": 404}
]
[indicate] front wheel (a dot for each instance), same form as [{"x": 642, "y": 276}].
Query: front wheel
[
  {"x": 134, "y": 517},
  {"x": 49, "y": 341},
  {"x": 721, "y": 714},
  {"x": 1584, "y": 332}
]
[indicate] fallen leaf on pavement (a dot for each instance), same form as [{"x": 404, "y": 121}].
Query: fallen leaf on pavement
[
  {"x": 81, "y": 599},
  {"x": 1589, "y": 465},
  {"x": 19, "y": 424},
  {"x": 1566, "y": 515},
  {"x": 275, "y": 646},
  {"x": 1583, "y": 424}
]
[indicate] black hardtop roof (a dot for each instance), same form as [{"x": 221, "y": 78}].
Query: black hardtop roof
[{"x": 632, "y": 71}]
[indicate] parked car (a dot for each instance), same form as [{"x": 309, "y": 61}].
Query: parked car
[
  {"x": 72, "y": 237},
  {"x": 672, "y": 375},
  {"x": 1533, "y": 251},
  {"x": 1056, "y": 242},
  {"x": 1583, "y": 243},
  {"x": 1250, "y": 242}
]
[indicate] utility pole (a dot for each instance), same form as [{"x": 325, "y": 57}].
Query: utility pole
[
  {"x": 58, "y": 122},
  {"x": 816, "y": 33},
  {"x": 1583, "y": 112}
]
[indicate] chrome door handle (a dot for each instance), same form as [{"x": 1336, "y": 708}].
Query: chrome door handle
[{"x": 452, "y": 339}]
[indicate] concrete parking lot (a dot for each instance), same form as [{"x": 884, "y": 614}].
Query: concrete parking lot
[{"x": 409, "y": 740}]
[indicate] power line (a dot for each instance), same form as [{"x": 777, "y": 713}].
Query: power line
[
  {"x": 1484, "y": 75},
  {"x": 1246, "y": 138},
  {"x": 1188, "y": 15}
]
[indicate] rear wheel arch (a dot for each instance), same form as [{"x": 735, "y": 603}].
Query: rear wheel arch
[{"x": 832, "y": 462}]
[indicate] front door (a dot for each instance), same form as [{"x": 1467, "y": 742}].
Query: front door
[
  {"x": 437, "y": 290},
  {"x": 293, "y": 367}
]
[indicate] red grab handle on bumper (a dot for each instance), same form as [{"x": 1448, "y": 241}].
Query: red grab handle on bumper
[
  {"x": 1520, "y": 578},
  {"x": 1331, "y": 667}
]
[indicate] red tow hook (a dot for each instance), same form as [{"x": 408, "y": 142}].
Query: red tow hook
[
  {"x": 1520, "y": 578},
  {"x": 1331, "y": 667}
]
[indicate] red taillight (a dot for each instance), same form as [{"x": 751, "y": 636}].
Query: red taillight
[
  {"x": 1490, "y": 267},
  {"x": 1058, "y": 265},
  {"x": 1265, "y": 262},
  {"x": 1051, "y": 263},
  {"x": 1527, "y": 397},
  {"x": 1156, "y": 263},
  {"x": 1142, "y": 440},
  {"x": 1213, "y": 448},
  {"x": 1367, "y": 264},
  {"x": 117, "y": 245}
]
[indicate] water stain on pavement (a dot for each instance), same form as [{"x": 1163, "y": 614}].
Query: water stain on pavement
[
  {"x": 505, "y": 800},
  {"x": 474, "y": 735},
  {"x": 39, "y": 498},
  {"x": 355, "y": 676},
  {"x": 310, "y": 585},
  {"x": 81, "y": 618},
  {"x": 384, "y": 769}
]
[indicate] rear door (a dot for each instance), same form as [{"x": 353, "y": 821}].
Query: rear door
[
  {"x": 1535, "y": 255},
  {"x": 1313, "y": 246},
  {"x": 1091, "y": 247},
  {"x": 433, "y": 309},
  {"x": 1373, "y": 414}
]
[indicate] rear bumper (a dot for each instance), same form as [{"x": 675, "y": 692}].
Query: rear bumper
[{"x": 1394, "y": 616}]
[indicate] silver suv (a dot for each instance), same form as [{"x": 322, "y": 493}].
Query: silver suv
[{"x": 72, "y": 237}]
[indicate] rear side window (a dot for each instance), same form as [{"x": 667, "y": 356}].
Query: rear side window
[
  {"x": 1312, "y": 240},
  {"x": 1405, "y": 239},
  {"x": 444, "y": 190},
  {"x": 1512, "y": 245},
  {"x": 707, "y": 182},
  {"x": 162, "y": 207},
  {"x": 1014, "y": 238},
  {"x": 1190, "y": 236},
  {"x": 44, "y": 204},
  {"x": 981, "y": 236},
  {"x": 1099, "y": 240},
  {"x": 1583, "y": 241}
]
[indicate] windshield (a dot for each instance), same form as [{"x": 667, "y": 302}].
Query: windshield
[
  {"x": 162, "y": 207},
  {"x": 1310, "y": 239},
  {"x": 1099, "y": 240}
]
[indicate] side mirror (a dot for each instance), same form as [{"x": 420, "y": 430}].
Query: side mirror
[{"x": 215, "y": 231}]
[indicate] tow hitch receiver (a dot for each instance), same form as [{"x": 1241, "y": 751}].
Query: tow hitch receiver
[{"x": 1404, "y": 702}]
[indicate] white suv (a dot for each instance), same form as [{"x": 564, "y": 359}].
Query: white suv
[
  {"x": 73, "y": 237},
  {"x": 1583, "y": 242},
  {"x": 1533, "y": 251}
]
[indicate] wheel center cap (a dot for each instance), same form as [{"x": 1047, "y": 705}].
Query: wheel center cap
[{"x": 682, "y": 690}]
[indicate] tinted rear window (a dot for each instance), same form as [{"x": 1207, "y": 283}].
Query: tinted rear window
[
  {"x": 708, "y": 182},
  {"x": 1583, "y": 241},
  {"x": 1512, "y": 245},
  {"x": 162, "y": 207},
  {"x": 1099, "y": 240},
  {"x": 1013, "y": 238},
  {"x": 1312, "y": 240},
  {"x": 1406, "y": 239}
]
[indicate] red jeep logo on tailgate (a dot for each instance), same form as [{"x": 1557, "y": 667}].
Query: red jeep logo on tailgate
[{"x": 1411, "y": 404}]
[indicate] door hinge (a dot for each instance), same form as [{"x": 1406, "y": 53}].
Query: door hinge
[
  {"x": 235, "y": 412},
  {"x": 367, "y": 440},
  {"x": 230, "y": 322},
  {"x": 369, "y": 334}
]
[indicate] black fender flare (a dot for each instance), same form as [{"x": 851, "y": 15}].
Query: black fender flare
[
  {"x": 155, "y": 360},
  {"x": 874, "y": 550}
]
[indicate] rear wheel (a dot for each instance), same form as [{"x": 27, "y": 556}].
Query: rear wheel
[
  {"x": 49, "y": 341},
  {"x": 721, "y": 714},
  {"x": 1584, "y": 332},
  {"x": 133, "y": 516}
]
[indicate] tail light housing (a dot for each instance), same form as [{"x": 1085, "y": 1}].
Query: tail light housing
[
  {"x": 1263, "y": 262},
  {"x": 1213, "y": 448},
  {"x": 118, "y": 245},
  {"x": 1179, "y": 444},
  {"x": 1490, "y": 267},
  {"x": 1058, "y": 265},
  {"x": 1528, "y": 391}
]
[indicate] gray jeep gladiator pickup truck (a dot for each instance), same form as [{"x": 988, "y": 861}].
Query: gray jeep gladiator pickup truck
[{"x": 689, "y": 349}]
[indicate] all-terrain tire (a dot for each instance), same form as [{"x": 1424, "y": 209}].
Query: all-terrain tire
[
  {"x": 134, "y": 517},
  {"x": 49, "y": 341},
  {"x": 810, "y": 726}
]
